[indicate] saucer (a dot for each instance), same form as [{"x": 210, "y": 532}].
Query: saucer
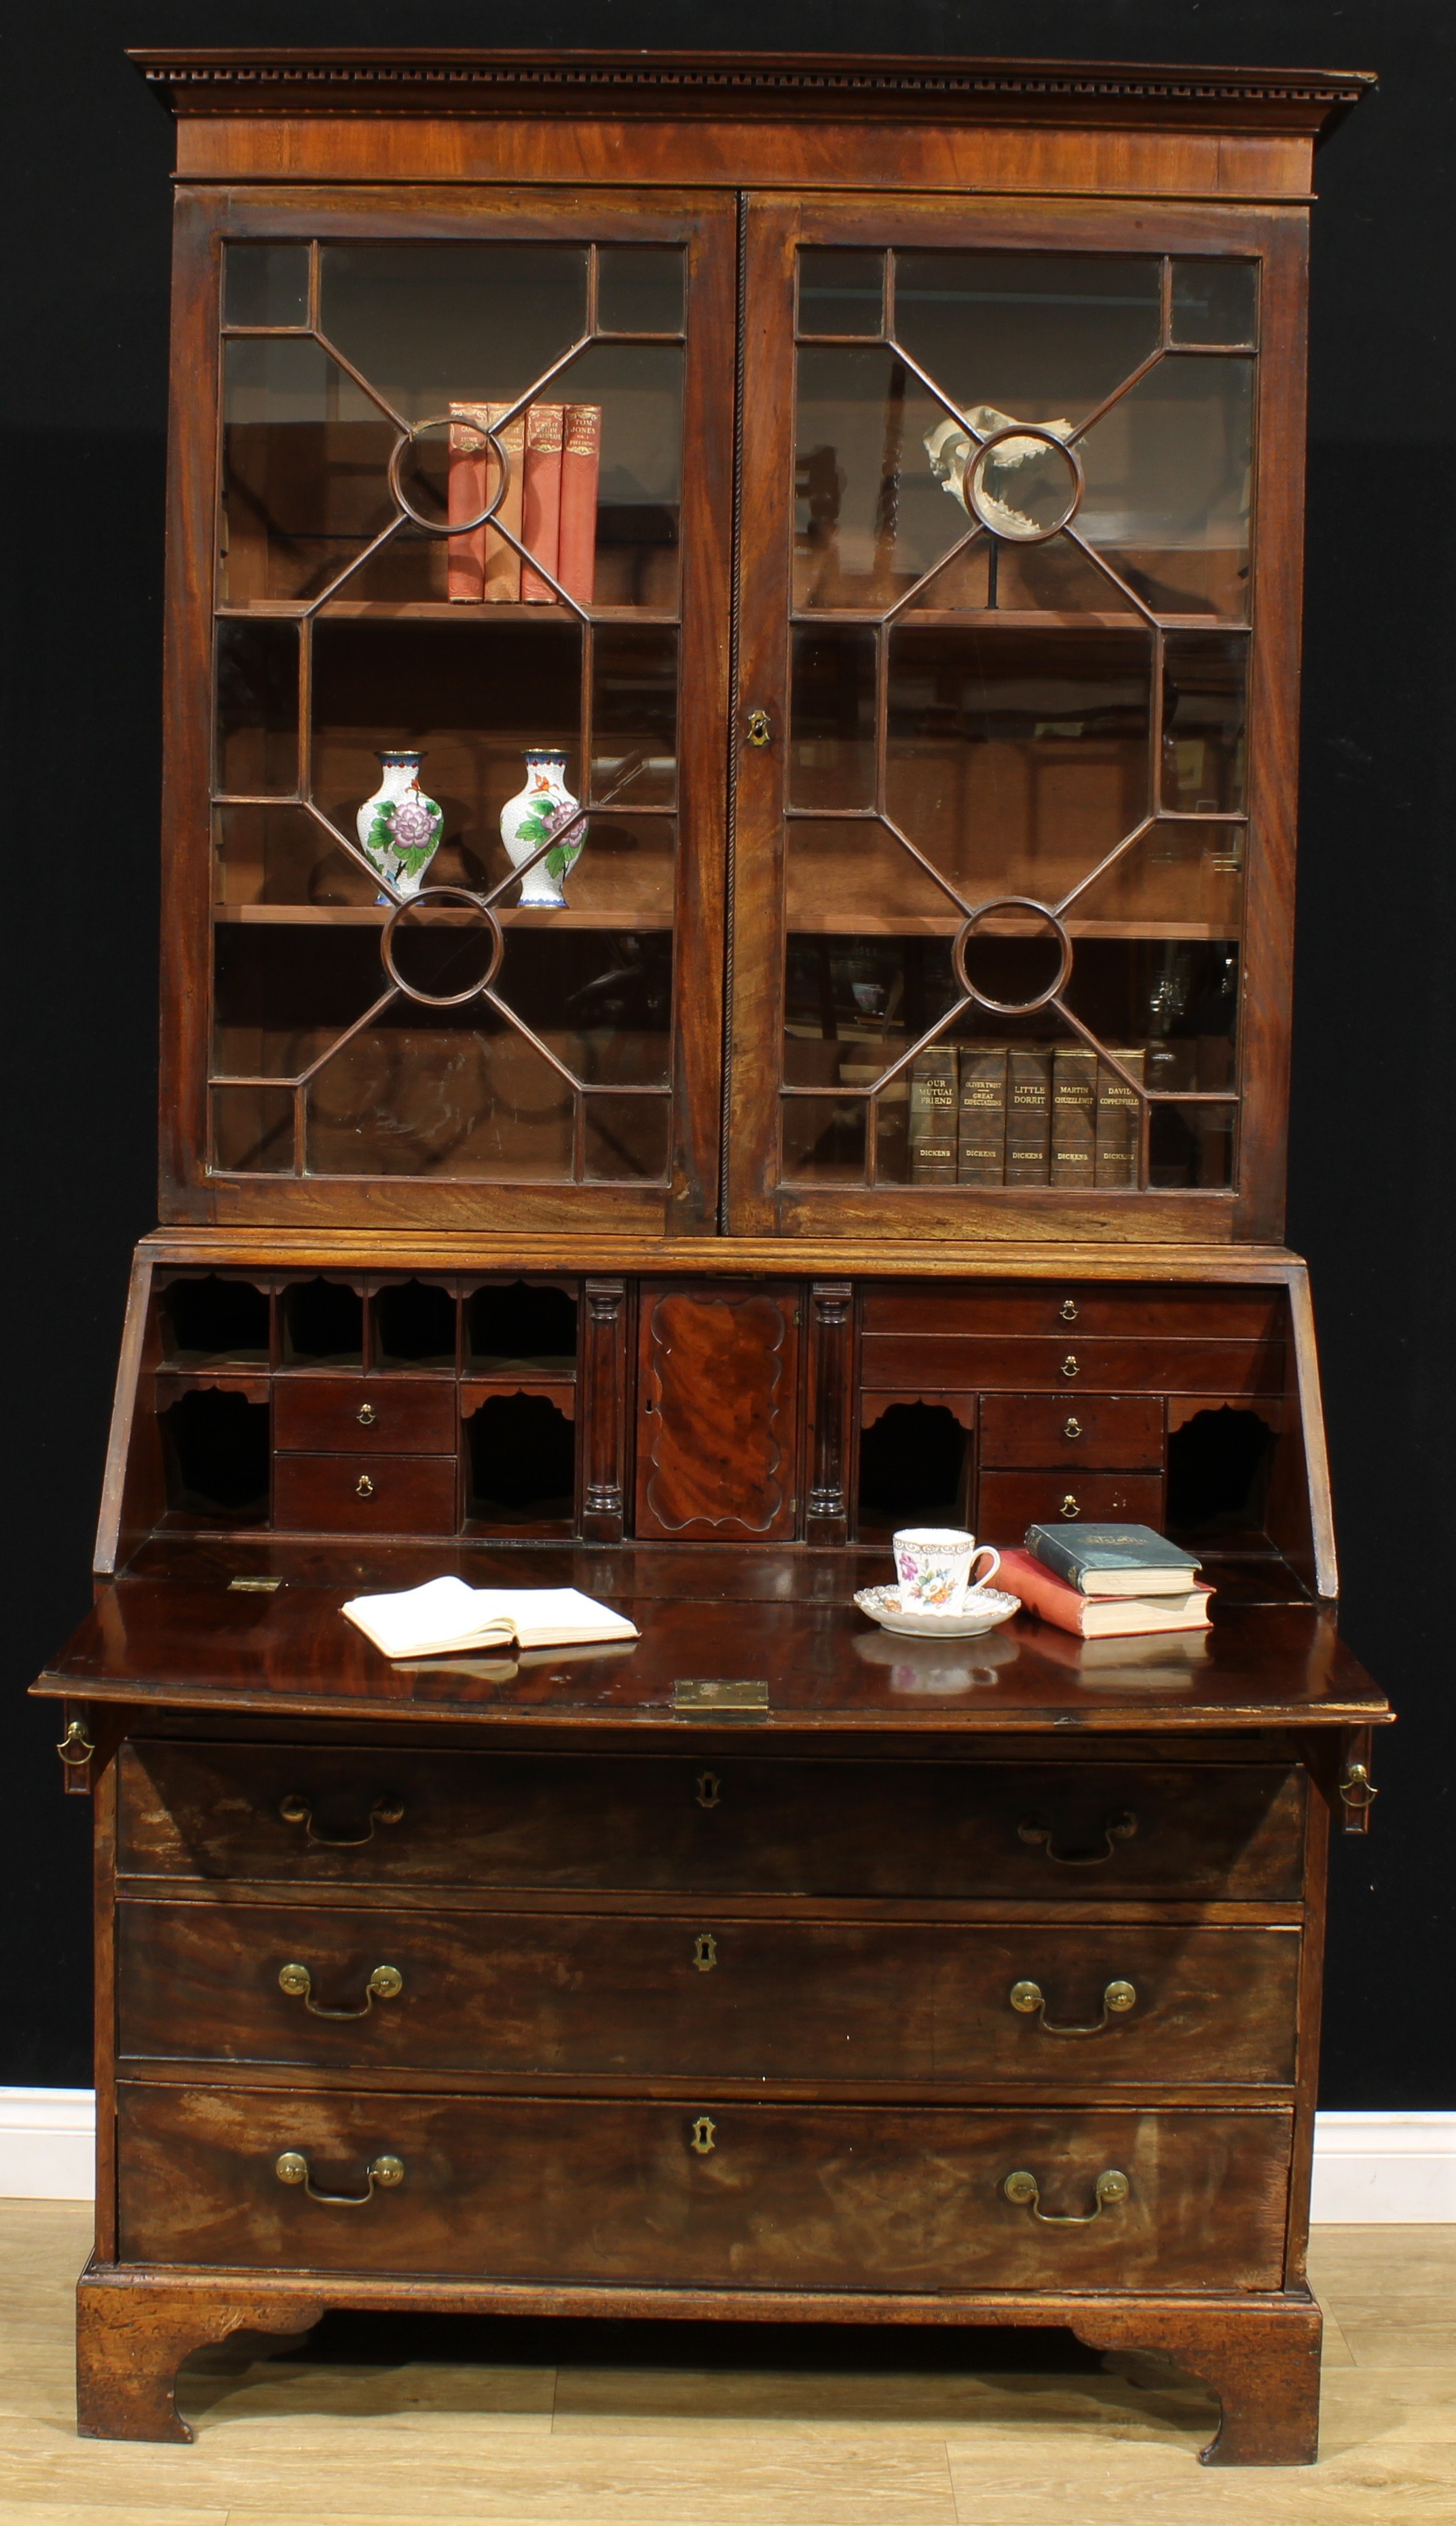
[{"x": 982, "y": 1610}]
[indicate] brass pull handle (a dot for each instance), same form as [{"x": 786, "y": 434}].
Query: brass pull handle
[
  {"x": 363, "y": 1488},
  {"x": 1069, "y": 1506},
  {"x": 1072, "y": 1427},
  {"x": 1119, "y": 1996},
  {"x": 704, "y": 1952},
  {"x": 76, "y": 1746},
  {"x": 1068, "y": 1311},
  {"x": 297, "y": 1810},
  {"x": 1111, "y": 2187},
  {"x": 386, "y": 1982},
  {"x": 709, "y": 1791},
  {"x": 1357, "y": 1788},
  {"x": 702, "y": 2137},
  {"x": 365, "y": 1416},
  {"x": 1116, "y": 1828},
  {"x": 1069, "y": 1364},
  {"x": 293, "y": 2168},
  {"x": 759, "y": 727}
]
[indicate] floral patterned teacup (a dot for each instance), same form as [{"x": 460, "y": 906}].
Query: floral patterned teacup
[{"x": 933, "y": 1565}]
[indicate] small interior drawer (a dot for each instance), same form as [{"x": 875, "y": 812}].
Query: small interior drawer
[
  {"x": 1111, "y": 1433},
  {"x": 353, "y": 1415},
  {"x": 365, "y": 1495},
  {"x": 1010, "y": 1502}
]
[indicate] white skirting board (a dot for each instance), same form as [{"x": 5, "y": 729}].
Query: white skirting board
[{"x": 1399, "y": 2168}]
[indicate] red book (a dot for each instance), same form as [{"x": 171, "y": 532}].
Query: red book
[
  {"x": 580, "y": 464},
  {"x": 1098, "y": 1618},
  {"x": 469, "y": 492},
  {"x": 541, "y": 516}
]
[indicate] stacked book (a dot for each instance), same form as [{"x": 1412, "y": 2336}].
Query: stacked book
[
  {"x": 553, "y": 458},
  {"x": 1024, "y": 1114},
  {"x": 1107, "y": 1583}
]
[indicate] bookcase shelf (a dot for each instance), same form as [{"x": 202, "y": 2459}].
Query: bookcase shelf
[
  {"x": 340, "y": 609},
  {"x": 931, "y": 925},
  {"x": 373, "y": 916},
  {"x": 937, "y": 618}
]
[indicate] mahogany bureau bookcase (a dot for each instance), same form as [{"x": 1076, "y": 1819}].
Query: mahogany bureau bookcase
[{"x": 839, "y": 1078}]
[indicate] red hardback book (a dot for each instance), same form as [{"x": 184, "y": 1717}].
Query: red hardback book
[
  {"x": 580, "y": 464},
  {"x": 1098, "y": 1618},
  {"x": 540, "y": 515},
  {"x": 469, "y": 492}
]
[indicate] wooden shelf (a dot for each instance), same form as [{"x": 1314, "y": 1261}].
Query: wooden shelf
[
  {"x": 344, "y": 609},
  {"x": 935, "y": 925},
  {"x": 373, "y": 916},
  {"x": 1003, "y": 618}
]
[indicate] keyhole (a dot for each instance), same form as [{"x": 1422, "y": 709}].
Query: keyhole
[
  {"x": 709, "y": 1790},
  {"x": 702, "y": 2135},
  {"x": 704, "y": 1952}
]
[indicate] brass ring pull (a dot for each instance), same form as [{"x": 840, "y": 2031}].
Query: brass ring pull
[
  {"x": 386, "y": 1982},
  {"x": 1022, "y": 2189},
  {"x": 702, "y": 2137},
  {"x": 704, "y": 1952},
  {"x": 1357, "y": 1788},
  {"x": 76, "y": 1746},
  {"x": 1069, "y": 1364},
  {"x": 1028, "y": 2000},
  {"x": 709, "y": 1792},
  {"x": 297, "y": 1810},
  {"x": 365, "y": 1416},
  {"x": 293, "y": 2168},
  {"x": 1116, "y": 1828},
  {"x": 363, "y": 1488},
  {"x": 1069, "y": 1506},
  {"x": 1068, "y": 1311},
  {"x": 1072, "y": 1427}
]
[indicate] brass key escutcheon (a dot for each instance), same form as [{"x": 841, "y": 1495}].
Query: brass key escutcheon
[
  {"x": 704, "y": 1952},
  {"x": 1028, "y": 2000},
  {"x": 709, "y": 1791},
  {"x": 759, "y": 727},
  {"x": 386, "y": 1982},
  {"x": 293, "y": 2168},
  {"x": 703, "y": 2131},
  {"x": 1111, "y": 2187},
  {"x": 365, "y": 1416}
]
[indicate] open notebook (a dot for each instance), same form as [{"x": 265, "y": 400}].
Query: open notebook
[{"x": 445, "y": 1614}]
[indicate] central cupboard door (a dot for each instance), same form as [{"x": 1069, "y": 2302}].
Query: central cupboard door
[
  {"x": 456, "y": 534},
  {"x": 1012, "y": 819}
]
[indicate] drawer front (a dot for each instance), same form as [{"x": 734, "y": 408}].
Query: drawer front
[
  {"x": 733, "y": 1825},
  {"x": 1120, "y": 1432},
  {"x": 1125, "y": 1309},
  {"x": 364, "y": 1495},
  {"x": 1073, "y": 1364},
  {"x": 701, "y": 1995},
  {"x": 1008, "y": 1503},
  {"x": 359, "y": 1415},
  {"x": 821, "y": 2197}
]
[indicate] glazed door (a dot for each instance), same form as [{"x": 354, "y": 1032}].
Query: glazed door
[
  {"x": 1013, "y": 806},
  {"x": 451, "y": 515}
]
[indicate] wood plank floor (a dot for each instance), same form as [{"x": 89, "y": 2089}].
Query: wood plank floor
[{"x": 440, "y": 2423}]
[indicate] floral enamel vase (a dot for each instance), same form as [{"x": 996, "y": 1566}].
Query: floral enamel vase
[
  {"x": 530, "y": 817},
  {"x": 399, "y": 827}
]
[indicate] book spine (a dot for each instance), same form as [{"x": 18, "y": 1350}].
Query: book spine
[
  {"x": 1047, "y": 1546},
  {"x": 580, "y": 465},
  {"x": 541, "y": 528},
  {"x": 1028, "y": 1115},
  {"x": 1074, "y": 1118},
  {"x": 1119, "y": 1116},
  {"x": 502, "y": 560},
  {"x": 981, "y": 1116},
  {"x": 468, "y": 490},
  {"x": 932, "y": 1116},
  {"x": 1048, "y": 1597}
]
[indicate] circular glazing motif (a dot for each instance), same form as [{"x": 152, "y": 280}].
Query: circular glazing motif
[
  {"x": 1022, "y": 484},
  {"x": 1018, "y": 904}
]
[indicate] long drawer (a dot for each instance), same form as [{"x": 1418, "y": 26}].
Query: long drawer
[
  {"x": 708, "y": 2195},
  {"x": 296, "y": 1814},
  {"x": 703, "y": 1994},
  {"x": 1063, "y": 1308},
  {"x": 975, "y": 1363}
]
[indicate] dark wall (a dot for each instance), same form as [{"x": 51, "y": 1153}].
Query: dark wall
[{"x": 82, "y": 398}]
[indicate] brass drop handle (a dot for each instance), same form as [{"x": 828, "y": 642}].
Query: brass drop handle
[
  {"x": 386, "y": 1982},
  {"x": 297, "y": 1810},
  {"x": 1069, "y": 1506},
  {"x": 364, "y": 1487},
  {"x": 702, "y": 2137},
  {"x": 1068, "y": 1311},
  {"x": 293, "y": 2168},
  {"x": 1356, "y": 1788},
  {"x": 704, "y": 1952},
  {"x": 1119, "y": 1996},
  {"x": 77, "y": 1745},
  {"x": 1109, "y": 2188},
  {"x": 1072, "y": 1427},
  {"x": 365, "y": 1416},
  {"x": 1115, "y": 1829},
  {"x": 709, "y": 1791},
  {"x": 759, "y": 727},
  {"x": 1069, "y": 1364}
]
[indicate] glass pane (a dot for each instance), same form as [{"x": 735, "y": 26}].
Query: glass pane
[
  {"x": 832, "y": 739},
  {"x": 1203, "y": 722},
  {"x": 257, "y": 709},
  {"x": 1168, "y": 477},
  {"x": 1016, "y": 759},
  {"x": 273, "y": 859},
  {"x": 841, "y": 290},
  {"x": 304, "y": 454},
  {"x": 1184, "y": 880},
  {"x": 853, "y": 1005},
  {"x": 626, "y": 1140},
  {"x": 253, "y": 1131},
  {"x": 457, "y": 1094},
  {"x": 266, "y": 285},
  {"x": 1215, "y": 301},
  {"x": 872, "y": 514},
  {"x": 1191, "y": 1145},
  {"x": 283, "y": 993},
  {"x": 639, "y": 288},
  {"x": 429, "y": 324},
  {"x": 824, "y": 1139},
  {"x": 1038, "y": 338},
  {"x": 859, "y": 879},
  {"x": 634, "y": 716},
  {"x": 601, "y": 1002},
  {"x": 1174, "y": 999}
]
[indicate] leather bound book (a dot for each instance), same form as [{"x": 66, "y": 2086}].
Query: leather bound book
[
  {"x": 540, "y": 530},
  {"x": 932, "y": 1115},
  {"x": 469, "y": 489},
  {"x": 1118, "y": 1118},
  {"x": 1028, "y": 1115},
  {"x": 502, "y": 560},
  {"x": 580, "y": 465},
  {"x": 981, "y": 1116},
  {"x": 1074, "y": 1116}
]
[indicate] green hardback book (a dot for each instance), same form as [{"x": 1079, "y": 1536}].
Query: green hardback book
[{"x": 1114, "y": 1560}]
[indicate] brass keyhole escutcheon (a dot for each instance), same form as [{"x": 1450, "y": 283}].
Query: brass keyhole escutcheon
[
  {"x": 1068, "y": 1311},
  {"x": 704, "y": 1951},
  {"x": 1069, "y": 1364},
  {"x": 703, "y": 2131},
  {"x": 709, "y": 1791},
  {"x": 759, "y": 729},
  {"x": 1072, "y": 1427},
  {"x": 1069, "y": 1506},
  {"x": 365, "y": 1416},
  {"x": 364, "y": 1487}
]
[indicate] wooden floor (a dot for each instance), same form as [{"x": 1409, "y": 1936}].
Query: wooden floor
[{"x": 611, "y": 2425}]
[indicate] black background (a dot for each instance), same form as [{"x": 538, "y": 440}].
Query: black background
[{"x": 85, "y": 164}]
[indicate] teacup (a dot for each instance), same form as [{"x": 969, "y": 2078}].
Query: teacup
[{"x": 933, "y": 1565}]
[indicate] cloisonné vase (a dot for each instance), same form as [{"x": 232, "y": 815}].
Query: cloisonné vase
[
  {"x": 399, "y": 827},
  {"x": 538, "y": 811}
]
